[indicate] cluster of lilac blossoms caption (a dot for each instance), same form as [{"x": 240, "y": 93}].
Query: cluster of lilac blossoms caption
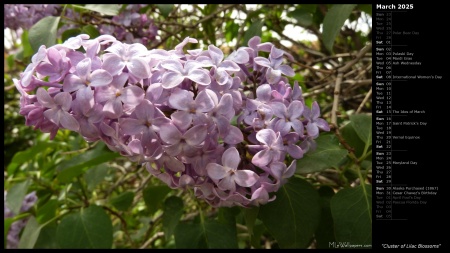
[{"x": 226, "y": 127}]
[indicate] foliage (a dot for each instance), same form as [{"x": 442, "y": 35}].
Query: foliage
[{"x": 80, "y": 184}]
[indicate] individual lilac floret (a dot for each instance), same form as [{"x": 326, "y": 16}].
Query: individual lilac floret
[
  {"x": 272, "y": 145},
  {"x": 177, "y": 73},
  {"x": 314, "y": 122},
  {"x": 228, "y": 172},
  {"x": 58, "y": 109}
]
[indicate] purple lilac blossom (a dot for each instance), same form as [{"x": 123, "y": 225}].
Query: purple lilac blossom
[{"x": 226, "y": 128}]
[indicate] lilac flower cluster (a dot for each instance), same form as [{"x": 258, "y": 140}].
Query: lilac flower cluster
[
  {"x": 130, "y": 26},
  {"x": 15, "y": 228},
  {"x": 174, "y": 111},
  {"x": 26, "y": 15}
]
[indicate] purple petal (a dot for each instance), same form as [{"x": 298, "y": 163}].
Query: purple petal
[
  {"x": 136, "y": 147},
  {"x": 195, "y": 135},
  {"x": 186, "y": 180},
  {"x": 221, "y": 76},
  {"x": 279, "y": 110},
  {"x": 170, "y": 134},
  {"x": 229, "y": 66},
  {"x": 173, "y": 164},
  {"x": 68, "y": 121},
  {"x": 276, "y": 53},
  {"x": 139, "y": 68},
  {"x": 145, "y": 110},
  {"x": 175, "y": 149},
  {"x": 113, "y": 63},
  {"x": 132, "y": 126},
  {"x": 263, "y": 92},
  {"x": 216, "y": 171},
  {"x": 191, "y": 65},
  {"x": 262, "y": 61},
  {"x": 240, "y": 56},
  {"x": 84, "y": 68},
  {"x": 85, "y": 99},
  {"x": 64, "y": 99},
  {"x": 216, "y": 54},
  {"x": 181, "y": 99},
  {"x": 312, "y": 129},
  {"x": 295, "y": 151},
  {"x": 100, "y": 77},
  {"x": 273, "y": 75},
  {"x": 224, "y": 108},
  {"x": 231, "y": 158},
  {"x": 245, "y": 178},
  {"x": 287, "y": 70},
  {"x": 295, "y": 109},
  {"x": 262, "y": 158},
  {"x": 173, "y": 65},
  {"x": 234, "y": 136},
  {"x": 277, "y": 169},
  {"x": 181, "y": 119},
  {"x": 199, "y": 76},
  {"x": 266, "y": 136},
  {"x": 298, "y": 126},
  {"x": 113, "y": 108},
  {"x": 315, "y": 112},
  {"x": 132, "y": 95},
  {"x": 227, "y": 183},
  {"x": 204, "y": 102},
  {"x": 44, "y": 98},
  {"x": 136, "y": 50},
  {"x": 171, "y": 79},
  {"x": 205, "y": 61},
  {"x": 53, "y": 115},
  {"x": 322, "y": 124},
  {"x": 72, "y": 83}
]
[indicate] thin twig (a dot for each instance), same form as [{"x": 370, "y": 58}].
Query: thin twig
[
  {"x": 364, "y": 101},
  {"x": 152, "y": 239}
]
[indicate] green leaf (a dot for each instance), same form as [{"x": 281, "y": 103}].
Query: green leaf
[
  {"x": 27, "y": 49},
  {"x": 43, "y": 32},
  {"x": 351, "y": 137},
  {"x": 367, "y": 8},
  {"x": 30, "y": 234},
  {"x": 123, "y": 201},
  {"x": 363, "y": 126},
  {"x": 154, "y": 195},
  {"x": 74, "y": 167},
  {"x": 173, "y": 209},
  {"x": 294, "y": 216},
  {"x": 7, "y": 224},
  {"x": 303, "y": 17},
  {"x": 165, "y": 9},
  {"x": 250, "y": 215},
  {"x": 327, "y": 154},
  {"x": 352, "y": 214},
  {"x": 105, "y": 9},
  {"x": 16, "y": 194},
  {"x": 22, "y": 157},
  {"x": 258, "y": 231},
  {"x": 210, "y": 234},
  {"x": 91, "y": 31},
  {"x": 333, "y": 22},
  {"x": 255, "y": 29},
  {"x": 325, "y": 231},
  {"x": 47, "y": 237},
  {"x": 95, "y": 175},
  {"x": 47, "y": 211},
  {"x": 90, "y": 228}
]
